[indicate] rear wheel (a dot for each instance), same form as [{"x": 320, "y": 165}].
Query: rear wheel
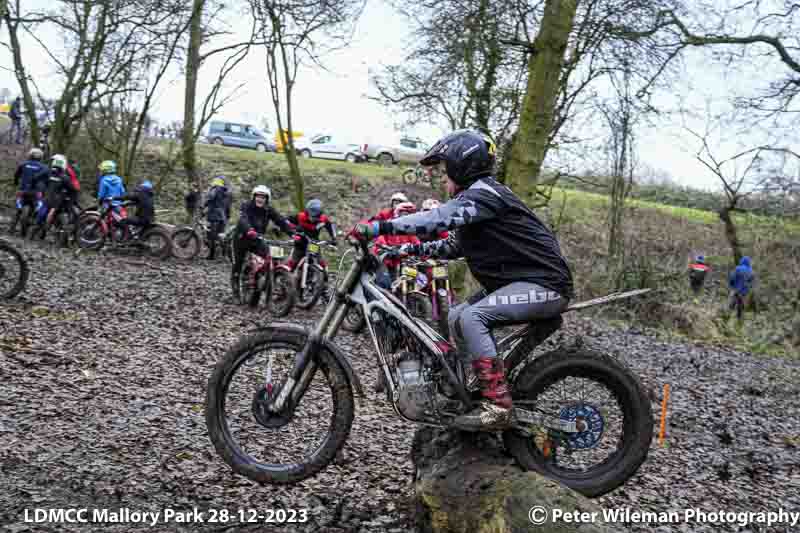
[
  {"x": 605, "y": 401},
  {"x": 386, "y": 159},
  {"x": 219, "y": 142},
  {"x": 186, "y": 244},
  {"x": 261, "y": 147}
]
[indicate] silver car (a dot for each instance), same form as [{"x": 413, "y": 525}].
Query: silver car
[
  {"x": 241, "y": 135},
  {"x": 329, "y": 146},
  {"x": 408, "y": 150}
]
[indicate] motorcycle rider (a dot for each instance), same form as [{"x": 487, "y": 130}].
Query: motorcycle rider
[
  {"x": 31, "y": 180},
  {"x": 309, "y": 222},
  {"x": 218, "y": 211},
  {"x": 387, "y": 213},
  {"x": 62, "y": 191},
  {"x": 508, "y": 249},
  {"x": 110, "y": 184},
  {"x": 254, "y": 217},
  {"x": 143, "y": 198},
  {"x": 392, "y": 260}
]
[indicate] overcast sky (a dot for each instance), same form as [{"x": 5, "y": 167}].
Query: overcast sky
[{"x": 335, "y": 100}]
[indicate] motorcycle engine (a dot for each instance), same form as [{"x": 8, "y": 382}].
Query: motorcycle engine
[{"x": 416, "y": 395}]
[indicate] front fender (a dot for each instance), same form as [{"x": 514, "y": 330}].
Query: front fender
[{"x": 338, "y": 354}]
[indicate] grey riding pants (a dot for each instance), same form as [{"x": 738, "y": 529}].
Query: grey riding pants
[{"x": 471, "y": 322}]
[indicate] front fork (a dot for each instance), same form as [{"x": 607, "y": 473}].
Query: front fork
[{"x": 305, "y": 363}]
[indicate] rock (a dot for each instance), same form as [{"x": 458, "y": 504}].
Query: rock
[{"x": 464, "y": 483}]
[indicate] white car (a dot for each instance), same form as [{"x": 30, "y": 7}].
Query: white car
[{"x": 329, "y": 146}]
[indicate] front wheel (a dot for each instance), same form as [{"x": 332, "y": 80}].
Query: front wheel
[
  {"x": 280, "y": 297},
  {"x": 419, "y": 306},
  {"x": 186, "y": 244},
  {"x": 91, "y": 235},
  {"x": 13, "y": 271},
  {"x": 354, "y": 320},
  {"x": 269, "y": 447},
  {"x": 157, "y": 242},
  {"x": 603, "y": 400},
  {"x": 409, "y": 176},
  {"x": 315, "y": 283}
]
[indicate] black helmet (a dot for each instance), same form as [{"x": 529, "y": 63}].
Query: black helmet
[
  {"x": 314, "y": 209},
  {"x": 467, "y": 154}
]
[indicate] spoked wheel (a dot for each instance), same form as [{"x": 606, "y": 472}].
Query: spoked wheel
[
  {"x": 281, "y": 295},
  {"x": 157, "y": 242},
  {"x": 13, "y": 271},
  {"x": 315, "y": 285},
  {"x": 269, "y": 447},
  {"x": 90, "y": 234},
  {"x": 604, "y": 401},
  {"x": 409, "y": 176},
  {"x": 419, "y": 306},
  {"x": 354, "y": 320},
  {"x": 186, "y": 244}
]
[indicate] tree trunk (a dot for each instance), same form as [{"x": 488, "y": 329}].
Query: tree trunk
[
  {"x": 730, "y": 233},
  {"x": 190, "y": 93},
  {"x": 544, "y": 80},
  {"x": 465, "y": 483},
  {"x": 22, "y": 79}
]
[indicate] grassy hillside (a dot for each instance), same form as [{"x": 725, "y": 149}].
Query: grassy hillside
[{"x": 659, "y": 240}]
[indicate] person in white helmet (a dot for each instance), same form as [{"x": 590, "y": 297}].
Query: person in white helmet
[
  {"x": 387, "y": 213},
  {"x": 254, "y": 217}
]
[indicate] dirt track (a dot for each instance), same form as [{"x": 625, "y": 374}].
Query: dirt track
[{"x": 104, "y": 361}]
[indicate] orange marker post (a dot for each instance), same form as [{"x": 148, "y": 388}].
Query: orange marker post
[{"x": 664, "y": 402}]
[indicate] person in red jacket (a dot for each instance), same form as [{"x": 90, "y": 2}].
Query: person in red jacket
[
  {"x": 392, "y": 261},
  {"x": 309, "y": 222},
  {"x": 387, "y": 213}
]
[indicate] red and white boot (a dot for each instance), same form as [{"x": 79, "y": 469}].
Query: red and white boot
[{"x": 494, "y": 411}]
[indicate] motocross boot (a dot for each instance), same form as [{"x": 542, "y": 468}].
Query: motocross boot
[{"x": 494, "y": 411}]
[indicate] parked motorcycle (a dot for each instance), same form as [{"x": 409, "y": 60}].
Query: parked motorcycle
[
  {"x": 420, "y": 175},
  {"x": 188, "y": 242},
  {"x": 280, "y": 403}
]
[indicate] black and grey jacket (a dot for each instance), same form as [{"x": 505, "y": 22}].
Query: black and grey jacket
[{"x": 502, "y": 240}]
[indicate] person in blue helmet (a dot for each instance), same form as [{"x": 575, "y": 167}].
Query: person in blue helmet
[
  {"x": 143, "y": 198},
  {"x": 740, "y": 281}
]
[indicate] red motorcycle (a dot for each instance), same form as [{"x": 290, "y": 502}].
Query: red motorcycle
[
  {"x": 95, "y": 228},
  {"x": 267, "y": 276}
]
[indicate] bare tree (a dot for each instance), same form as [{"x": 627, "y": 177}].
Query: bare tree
[
  {"x": 473, "y": 78},
  {"x": 294, "y": 33},
  {"x": 621, "y": 118},
  {"x": 118, "y": 121},
  {"x": 205, "y": 27}
]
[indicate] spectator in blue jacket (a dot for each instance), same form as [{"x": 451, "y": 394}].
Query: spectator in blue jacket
[{"x": 740, "y": 281}]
